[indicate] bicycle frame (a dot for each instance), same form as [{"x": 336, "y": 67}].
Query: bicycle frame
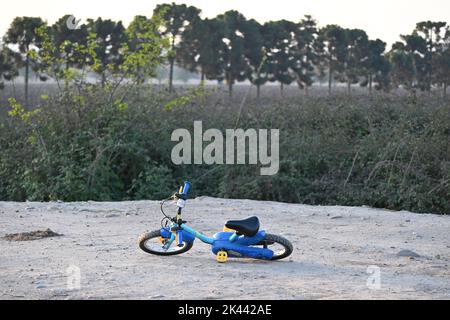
[
  {"x": 236, "y": 246},
  {"x": 186, "y": 233}
]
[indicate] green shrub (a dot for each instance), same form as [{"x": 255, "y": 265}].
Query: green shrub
[
  {"x": 384, "y": 151},
  {"x": 154, "y": 183}
]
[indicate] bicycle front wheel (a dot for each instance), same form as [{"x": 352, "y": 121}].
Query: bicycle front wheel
[{"x": 153, "y": 243}]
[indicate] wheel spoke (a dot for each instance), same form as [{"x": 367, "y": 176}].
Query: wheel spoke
[
  {"x": 153, "y": 243},
  {"x": 158, "y": 246}
]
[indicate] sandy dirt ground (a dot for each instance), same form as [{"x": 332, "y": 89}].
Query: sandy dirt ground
[{"x": 335, "y": 251}]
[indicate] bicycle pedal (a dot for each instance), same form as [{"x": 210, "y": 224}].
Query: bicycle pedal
[{"x": 222, "y": 256}]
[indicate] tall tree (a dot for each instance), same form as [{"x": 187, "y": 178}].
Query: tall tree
[
  {"x": 177, "y": 18},
  {"x": 61, "y": 49},
  {"x": 416, "y": 47},
  {"x": 334, "y": 39},
  {"x": 442, "y": 62},
  {"x": 22, "y": 33},
  {"x": 9, "y": 63},
  {"x": 255, "y": 54},
  {"x": 377, "y": 66},
  {"x": 357, "y": 54},
  {"x": 402, "y": 64},
  {"x": 278, "y": 41},
  {"x": 434, "y": 34},
  {"x": 68, "y": 41},
  {"x": 110, "y": 36},
  {"x": 237, "y": 66},
  {"x": 143, "y": 36},
  {"x": 201, "y": 49},
  {"x": 306, "y": 51}
]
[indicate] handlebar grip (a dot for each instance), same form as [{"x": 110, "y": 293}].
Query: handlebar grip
[{"x": 186, "y": 187}]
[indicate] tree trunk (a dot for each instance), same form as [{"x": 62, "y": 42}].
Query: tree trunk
[
  {"x": 103, "y": 79},
  {"x": 282, "y": 89},
  {"x": 203, "y": 75},
  {"x": 445, "y": 89},
  {"x": 370, "y": 84},
  {"x": 349, "y": 87},
  {"x": 66, "y": 81},
  {"x": 172, "y": 62},
  {"x": 258, "y": 86},
  {"x": 230, "y": 86},
  {"x": 330, "y": 76},
  {"x": 27, "y": 75},
  {"x": 430, "y": 78},
  {"x": 14, "y": 88},
  {"x": 306, "y": 90},
  {"x": 202, "y": 85}
]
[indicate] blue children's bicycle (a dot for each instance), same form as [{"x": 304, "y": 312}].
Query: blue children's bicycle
[{"x": 239, "y": 239}]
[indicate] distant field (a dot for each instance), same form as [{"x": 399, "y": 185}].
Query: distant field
[{"x": 267, "y": 91}]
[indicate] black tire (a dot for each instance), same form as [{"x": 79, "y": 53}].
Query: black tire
[
  {"x": 156, "y": 234},
  {"x": 272, "y": 239}
]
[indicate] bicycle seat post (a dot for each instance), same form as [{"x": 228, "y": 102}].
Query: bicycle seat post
[{"x": 233, "y": 237}]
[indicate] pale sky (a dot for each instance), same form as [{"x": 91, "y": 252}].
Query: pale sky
[{"x": 384, "y": 19}]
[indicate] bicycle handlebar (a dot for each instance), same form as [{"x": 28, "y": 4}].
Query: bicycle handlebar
[
  {"x": 186, "y": 187},
  {"x": 182, "y": 195}
]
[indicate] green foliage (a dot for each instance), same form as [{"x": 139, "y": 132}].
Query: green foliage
[
  {"x": 110, "y": 35},
  {"x": 155, "y": 182},
  {"x": 306, "y": 51},
  {"x": 201, "y": 49},
  {"x": 189, "y": 97},
  {"x": 421, "y": 59},
  {"x": 23, "y": 33},
  {"x": 383, "y": 151},
  {"x": 234, "y": 36},
  {"x": 145, "y": 48},
  {"x": 177, "y": 18},
  {"x": 228, "y": 47},
  {"x": 9, "y": 61},
  {"x": 277, "y": 42}
]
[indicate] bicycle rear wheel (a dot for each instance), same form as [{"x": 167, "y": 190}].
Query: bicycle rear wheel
[{"x": 281, "y": 247}]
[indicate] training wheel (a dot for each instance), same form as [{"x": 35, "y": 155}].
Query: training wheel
[{"x": 222, "y": 256}]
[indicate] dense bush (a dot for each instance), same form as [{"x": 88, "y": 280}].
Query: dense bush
[{"x": 385, "y": 151}]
